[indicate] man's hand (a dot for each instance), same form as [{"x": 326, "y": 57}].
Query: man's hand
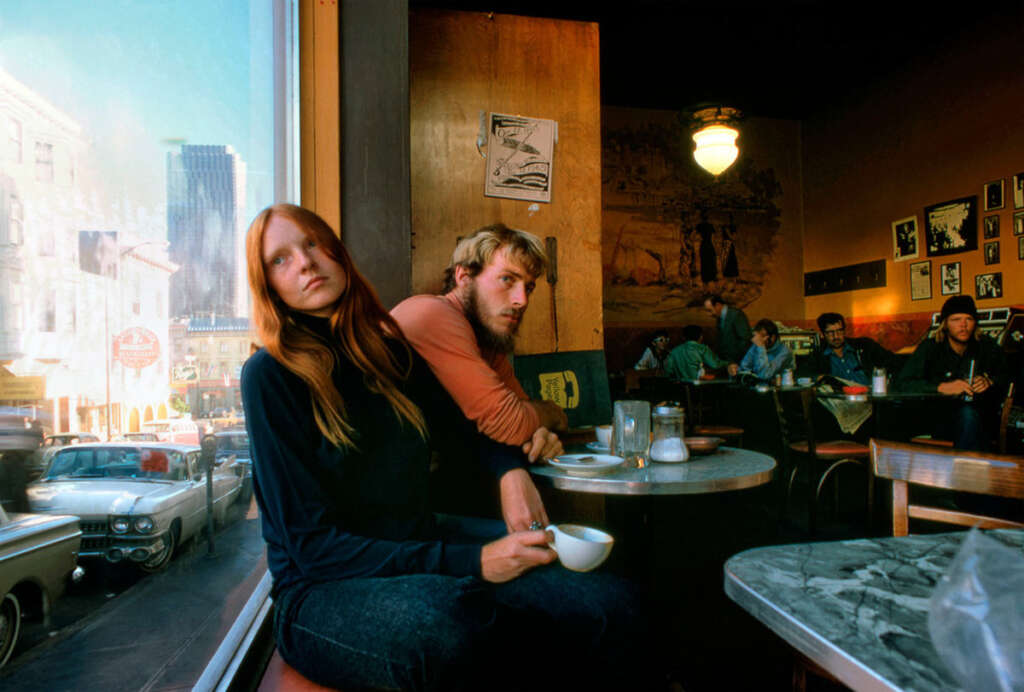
[
  {"x": 733, "y": 369},
  {"x": 520, "y": 502},
  {"x": 955, "y": 388},
  {"x": 508, "y": 557},
  {"x": 980, "y": 383},
  {"x": 543, "y": 445},
  {"x": 552, "y": 416}
]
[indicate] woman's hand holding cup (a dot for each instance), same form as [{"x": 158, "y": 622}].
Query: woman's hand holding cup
[{"x": 507, "y": 558}]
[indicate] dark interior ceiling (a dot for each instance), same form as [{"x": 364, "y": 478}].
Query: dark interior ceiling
[{"x": 784, "y": 59}]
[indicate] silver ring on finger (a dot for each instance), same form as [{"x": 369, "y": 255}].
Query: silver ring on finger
[{"x": 535, "y": 525}]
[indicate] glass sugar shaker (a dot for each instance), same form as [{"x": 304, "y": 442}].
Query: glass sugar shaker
[{"x": 668, "y": 434}]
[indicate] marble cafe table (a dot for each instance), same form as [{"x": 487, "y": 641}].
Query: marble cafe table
[
  {"x": 857, "y": 608},
  {"x": 729, "y": 468}
]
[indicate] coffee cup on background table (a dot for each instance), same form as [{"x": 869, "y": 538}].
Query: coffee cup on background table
[
  {"x": 580, "y": 548},
  {"x": 604, "y": 435}
]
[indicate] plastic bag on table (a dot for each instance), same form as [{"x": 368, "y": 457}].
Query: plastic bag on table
[{"x": 976, "y": 615}]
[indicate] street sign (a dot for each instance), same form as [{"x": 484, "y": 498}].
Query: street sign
[{"x": 136, "y": 347}]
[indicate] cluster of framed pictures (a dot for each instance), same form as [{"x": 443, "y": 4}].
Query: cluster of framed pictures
[{"x": 952, "y": 227}]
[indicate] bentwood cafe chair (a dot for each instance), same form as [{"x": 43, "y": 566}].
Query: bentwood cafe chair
[{"x": 820, "y": 460}]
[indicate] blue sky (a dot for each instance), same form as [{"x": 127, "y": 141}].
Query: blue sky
[{"x": 137, "y": 74}]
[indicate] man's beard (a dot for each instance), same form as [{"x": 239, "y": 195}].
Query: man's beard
[{"x": 486, "y": 338}]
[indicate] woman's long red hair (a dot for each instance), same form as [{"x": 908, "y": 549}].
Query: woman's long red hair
[{"x": 360, "y": 323}]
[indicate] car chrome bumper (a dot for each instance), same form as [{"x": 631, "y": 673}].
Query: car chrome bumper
[{"x": 116, "y": 547}]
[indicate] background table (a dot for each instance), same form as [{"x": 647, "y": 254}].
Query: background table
[
  {"x": 728, "y": 468},
  {"x": 857, "y": 608}
]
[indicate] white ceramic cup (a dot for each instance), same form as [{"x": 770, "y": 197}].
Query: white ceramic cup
[
  {"x": 580, "y": 548},
  {"x": 604, "y": 435}
]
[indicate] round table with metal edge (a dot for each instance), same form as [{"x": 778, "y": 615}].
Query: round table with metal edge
[{"x": 729, "y": 468}]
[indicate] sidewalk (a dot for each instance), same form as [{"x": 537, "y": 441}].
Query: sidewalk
[{"x": 160, "y": 634}]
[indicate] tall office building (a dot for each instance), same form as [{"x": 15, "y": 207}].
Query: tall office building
[{"x": 205, "y": 228}]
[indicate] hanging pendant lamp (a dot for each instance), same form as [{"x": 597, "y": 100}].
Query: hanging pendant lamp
[{"x": 715, "y": 138}]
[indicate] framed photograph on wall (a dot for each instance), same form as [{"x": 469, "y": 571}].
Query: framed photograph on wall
[
  {"x": 992, "y": 252},
  {"x": 905, "y": 241},
  {"x": 994, "y": 195},
  {"x": 951, "y": 227},
  {"x": 1018, "y": 223},
  {"x": 949, "y": 278},
  {"x": 1020, "y": 248},
  {"x": 1018, "y": 191},
  {"x": 990, "y": 228},
  {"x": 921, "y": 280},
  {"x": 988, "y": 285}
]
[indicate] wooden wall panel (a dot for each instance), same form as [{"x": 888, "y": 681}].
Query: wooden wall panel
[
  {"x": 463, "y": 64},
  {"x": 319, "y": 109}
]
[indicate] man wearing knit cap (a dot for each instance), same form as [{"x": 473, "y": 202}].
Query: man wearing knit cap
[{"x": 965, "y": 365}]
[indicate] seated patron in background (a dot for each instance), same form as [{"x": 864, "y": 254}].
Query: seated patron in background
[
  {"x": 656, "y": 354},
  {"x": 767, "y": 356},
  {"x": 371, "y": 589},
  {"x": 965, "y": 365},
  {"x": 733, "y": 328},
  {"x": 851, "y": 358},
  {"x": 688, "y": 360},
  {"x": 465, "y": 336}
]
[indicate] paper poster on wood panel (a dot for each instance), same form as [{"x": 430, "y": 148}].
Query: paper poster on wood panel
[{"x": 520, "y": 155}]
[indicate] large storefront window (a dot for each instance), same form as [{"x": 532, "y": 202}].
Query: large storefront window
[{"x": 139, "y": 142}]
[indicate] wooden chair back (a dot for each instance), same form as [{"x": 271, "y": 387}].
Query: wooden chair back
[{"x": 976, "y": 472}]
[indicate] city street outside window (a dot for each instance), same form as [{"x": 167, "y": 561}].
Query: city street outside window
[{"x": 140, "y": 143}]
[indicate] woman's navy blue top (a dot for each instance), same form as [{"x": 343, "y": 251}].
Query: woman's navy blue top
[{"x": 333, "y": 513}]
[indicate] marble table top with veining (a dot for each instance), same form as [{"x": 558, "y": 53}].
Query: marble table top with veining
[{"x": 858, "y": 608}]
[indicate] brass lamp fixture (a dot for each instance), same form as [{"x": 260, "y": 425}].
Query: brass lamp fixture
[{"x": 715, "y": 137}]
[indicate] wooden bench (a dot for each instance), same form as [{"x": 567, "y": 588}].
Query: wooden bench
[{"x": 281, "y": 677}]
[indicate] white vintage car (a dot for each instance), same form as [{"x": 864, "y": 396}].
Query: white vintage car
[
  {"x": 136, "y": 501},
  {"x": 37, "y": 560}
]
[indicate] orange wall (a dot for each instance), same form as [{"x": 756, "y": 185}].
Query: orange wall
[{"x": 936, "y": 131}]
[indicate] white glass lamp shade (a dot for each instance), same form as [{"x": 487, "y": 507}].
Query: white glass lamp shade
[{"x": 716, "y": 148}]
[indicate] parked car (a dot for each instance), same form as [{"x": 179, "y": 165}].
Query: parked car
[
  {"x": 35, "y": 464},
  {"x": 140, "y": 437},
  {"x": 233, "y": 447},
  {"x": 64, "y": 439},
  {"x": 137, "y": 502},
  {"x": 178, "y": 430},
  {"x": 38, "y": 555}
]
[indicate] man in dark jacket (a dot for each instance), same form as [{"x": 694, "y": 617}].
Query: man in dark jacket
[
  {"x": 734, "y": 332},
  {"x": 851, "y": 358},
  {"x": 968, "y": 367}
]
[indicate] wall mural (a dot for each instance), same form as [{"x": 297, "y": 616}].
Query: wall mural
[{"x": 672, "y": 233}]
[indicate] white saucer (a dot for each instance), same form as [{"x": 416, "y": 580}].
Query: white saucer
[
  {"x": 595, "y": 464},
  {"x": 596, "y": 446}
]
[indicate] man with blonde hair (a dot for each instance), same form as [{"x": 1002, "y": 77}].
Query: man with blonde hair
[
  {"x": 466, "y": 334},
  {"x": 966, "y": 366}
]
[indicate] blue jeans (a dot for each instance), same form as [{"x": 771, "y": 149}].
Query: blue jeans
[
  {"x": 548, "y": 629},
  {"x": 970, "y": 430}
]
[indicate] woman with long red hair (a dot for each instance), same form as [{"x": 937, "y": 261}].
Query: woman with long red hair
[{"x": 370, "y": 588}]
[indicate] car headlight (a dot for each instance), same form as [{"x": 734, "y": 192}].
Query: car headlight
[
  {"x": 119, "y": 524},
  {"x": 144, "y": 524}
]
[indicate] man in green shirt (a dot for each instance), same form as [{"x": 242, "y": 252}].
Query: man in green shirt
[{"x": 686, "y": 360}]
